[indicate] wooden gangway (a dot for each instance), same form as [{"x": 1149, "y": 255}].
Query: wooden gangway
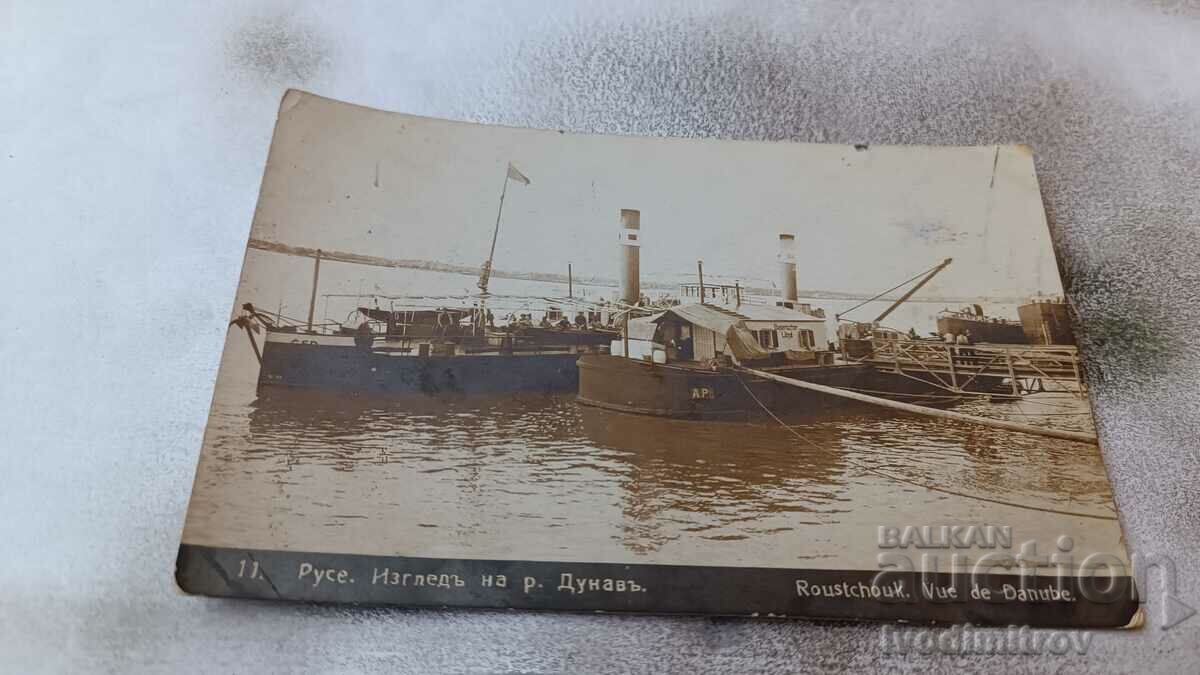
[{"x": 1027, "y": 368}]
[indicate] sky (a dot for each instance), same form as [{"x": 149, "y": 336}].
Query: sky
[{"x": 348, "y": 178}]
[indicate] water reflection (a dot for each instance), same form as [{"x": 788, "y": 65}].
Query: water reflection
[
  {"x": 717, "y": 481},
  {"x": 506, "y": 475}
]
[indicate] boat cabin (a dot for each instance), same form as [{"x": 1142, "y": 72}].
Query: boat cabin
[{"x": 703, "y": 333}]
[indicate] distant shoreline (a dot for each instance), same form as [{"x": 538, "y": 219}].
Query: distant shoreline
[{"x": 555, "y": 278}]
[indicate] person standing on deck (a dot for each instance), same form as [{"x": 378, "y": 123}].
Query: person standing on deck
[
  {"x": 686, "y": 348},
  {"x": 950, "y": 350},
  {"x": 965, "y": 339}
]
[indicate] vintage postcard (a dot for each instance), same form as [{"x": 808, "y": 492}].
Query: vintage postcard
[{"x": 483, "y": 366}]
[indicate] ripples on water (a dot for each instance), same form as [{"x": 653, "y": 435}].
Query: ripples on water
[{"x": 501, "y": 476}]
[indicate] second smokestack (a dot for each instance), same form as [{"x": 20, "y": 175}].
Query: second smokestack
[
  {"x": 787, "y": 269},
  {"x": 631, "y": 285}
]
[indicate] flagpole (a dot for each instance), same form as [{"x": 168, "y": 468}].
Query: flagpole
[{"x": 487, "y": 273}]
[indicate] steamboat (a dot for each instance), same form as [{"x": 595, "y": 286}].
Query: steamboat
[{"x": 710, "y": 360}]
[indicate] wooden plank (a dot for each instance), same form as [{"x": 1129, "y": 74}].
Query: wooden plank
[{"x": 931, "y": 412}]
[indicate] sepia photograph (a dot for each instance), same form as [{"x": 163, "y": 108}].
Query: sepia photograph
[
  {"x": 485, "y": 366},
  {"x": 595, "y": 337}
]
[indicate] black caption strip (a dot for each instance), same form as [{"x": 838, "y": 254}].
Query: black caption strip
[{"x": 992, "y": 599}]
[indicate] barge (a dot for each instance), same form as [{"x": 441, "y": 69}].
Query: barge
[
  {"x": 1046, "y": 321},
  {"x": 426, "y": 352},
  {"x": 972, "y": 322}
]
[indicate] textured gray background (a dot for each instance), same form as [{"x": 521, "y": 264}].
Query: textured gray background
[{"x": 131, "y": 145}]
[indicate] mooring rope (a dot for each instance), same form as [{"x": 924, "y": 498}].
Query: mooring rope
[{"x": 914, "y": 483}]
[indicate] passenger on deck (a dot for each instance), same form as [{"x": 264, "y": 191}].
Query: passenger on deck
[
  {"x": 580, "y": 320},
  {"x": 963, "y": 341},
  {"x": 686, "y": 351},
  {"x": 362, "y": 336},
  {"x": 545, "y": 322}
]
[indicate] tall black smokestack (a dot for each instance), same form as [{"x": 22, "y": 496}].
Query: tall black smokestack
[
  {"x": 787, "y": 269},
  {"x": 631, "y": 285}
]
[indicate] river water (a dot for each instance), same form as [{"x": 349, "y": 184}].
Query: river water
[{"x": 543, "y": 478}]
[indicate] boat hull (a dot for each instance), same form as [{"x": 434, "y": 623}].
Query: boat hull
[
  {"x": 308, "y": 363},
  {"x": 1046, "y": 323},
  {"x": 688, "y": 392},
  {"x": 685, "y": 392},
  {"x": 983, "y": 331}
]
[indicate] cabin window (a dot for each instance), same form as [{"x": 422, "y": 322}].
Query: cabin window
[
  {"x": 807, "y": 339},
  {"x": 767, "y": 339}
]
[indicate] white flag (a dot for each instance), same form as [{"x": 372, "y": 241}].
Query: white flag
[{"x": 517, "y": 175}]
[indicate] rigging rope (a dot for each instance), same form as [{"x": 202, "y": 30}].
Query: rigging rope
[
  {"x": 909, "y": 482},
  {"x": 902, "y": 283}
]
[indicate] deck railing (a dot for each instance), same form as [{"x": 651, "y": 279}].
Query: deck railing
[{"x": 1027, "y": 368}]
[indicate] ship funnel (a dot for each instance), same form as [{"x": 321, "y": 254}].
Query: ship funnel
[
  {"x": 787, "y": 269},
  {"x": 630, "y": 238}
]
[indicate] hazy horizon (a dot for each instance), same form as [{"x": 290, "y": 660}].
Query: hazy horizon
[{"x": 348, "y": 178}]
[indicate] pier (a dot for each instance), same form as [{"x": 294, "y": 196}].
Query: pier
[{"x": 1028, "y": 368}]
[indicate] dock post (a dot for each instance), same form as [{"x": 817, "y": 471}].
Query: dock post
[
  {"x": 312, "y": 301},
  {"x": 625, "y": 335},
  {"x": 1012, "y": 374},
  {"x": 953, "y": 372}
]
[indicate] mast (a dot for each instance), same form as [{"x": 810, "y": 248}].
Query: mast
[
  {"x": 312, "y": 301},
  {"x": 485, "y": 274}
]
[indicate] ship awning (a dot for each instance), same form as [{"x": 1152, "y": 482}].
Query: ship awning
[
  {"x": 706, "y": 316},
  {"x": 742, "y": 344},
  {"x": 738, "y": 340},
  {"x": 643, "y": 328},
  {"x": 718, "y": 319}
]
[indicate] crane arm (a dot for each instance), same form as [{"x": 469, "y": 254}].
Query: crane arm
[{"x": 904, "y": 298}]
